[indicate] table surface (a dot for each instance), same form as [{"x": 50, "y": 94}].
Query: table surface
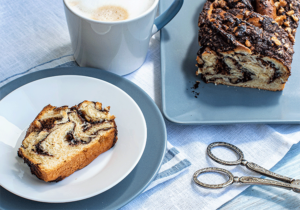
[
  {"x": 265, "y": 197},
  {"x": 261, "y": 197}
]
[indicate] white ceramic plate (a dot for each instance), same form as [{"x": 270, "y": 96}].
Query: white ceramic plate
[{"x": 20, "y": 107}]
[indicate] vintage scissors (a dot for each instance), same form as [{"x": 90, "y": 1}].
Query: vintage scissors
[{"x": 287, "y": 183}]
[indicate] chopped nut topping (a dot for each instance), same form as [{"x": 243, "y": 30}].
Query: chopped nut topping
[
  {"x": 295, "y": 18},
  {"x": 277, "y": 4},
  {"x": 294, "y": 30},
  {"x": 277, "y": 42},
  {"x": 283, "y": 3},
  {"x": 292, "y": 38},
  {"x": 240, "y": 16},
  {"x": 280, "y": 52},
  {"x": 291, "y": 6},
  {"x": 255, "y": 21},
  {"x": 212, "y": 20},
  {"x": 287, "y": 46},
  {"x": 248, "y": 44},
  {"x": 290, "y": 13},
  {"x": 223, "y": 4},
  {"x": 280, "y": 19},
  {"x": 289, "y": 30},
  {"x": 287, "y": 23},
  {"x": 240, "y": 29},
  {"x": 281, "y": 10}
]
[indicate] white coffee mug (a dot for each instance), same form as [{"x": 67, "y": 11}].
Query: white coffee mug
[{"x": 119, "y": 47}]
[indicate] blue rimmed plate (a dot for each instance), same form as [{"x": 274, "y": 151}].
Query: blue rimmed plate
[{"x": 139, "y": 177}]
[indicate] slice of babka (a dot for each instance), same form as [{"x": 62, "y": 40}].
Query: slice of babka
[
  {"x": 247, "y": 43},
  {"x": 62, "y": 140}
]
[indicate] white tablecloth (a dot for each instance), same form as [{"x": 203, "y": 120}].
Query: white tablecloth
[{"x": 34, "y": 36}]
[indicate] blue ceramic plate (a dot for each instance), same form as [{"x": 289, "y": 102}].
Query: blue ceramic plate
[
  {"x": 139, "y": 177},
  {"x": 210, "y": 104}
]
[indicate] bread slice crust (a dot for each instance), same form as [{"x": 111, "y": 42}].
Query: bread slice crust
[{"x": 101, "y": 140}]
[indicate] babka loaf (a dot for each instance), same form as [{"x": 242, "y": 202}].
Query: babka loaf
[
  {"x": 62, "y": 140},
  {"x": 247, "y": 43}
]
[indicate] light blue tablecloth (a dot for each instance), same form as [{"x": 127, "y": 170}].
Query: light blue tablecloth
[
  {"x": 34, "y": 36},
  {"x": 264, "y": 197}
]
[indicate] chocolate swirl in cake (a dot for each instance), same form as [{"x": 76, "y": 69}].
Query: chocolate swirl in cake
[{"x": 82, "y": 124}]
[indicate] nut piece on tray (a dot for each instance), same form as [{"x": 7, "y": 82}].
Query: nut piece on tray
[
  {"x": 62, "y": 140},
  {"x": 242, "y": 45}
]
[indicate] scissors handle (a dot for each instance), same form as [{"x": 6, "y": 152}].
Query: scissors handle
[
  {"x": 261, "y": 170},
  {"x": 258, "y": 181},
  {"x": 230, "y": 146},
  {"x": 215, "y": 170},
  {"x": 294, "y": 185}
]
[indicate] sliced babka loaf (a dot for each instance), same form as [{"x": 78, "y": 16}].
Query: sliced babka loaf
[
  {"x": 247, "y": 43},
  {"x": 62, "y": 140}
]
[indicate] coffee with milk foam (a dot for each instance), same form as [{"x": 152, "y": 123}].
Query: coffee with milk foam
[{"x": 110, "y": 10}]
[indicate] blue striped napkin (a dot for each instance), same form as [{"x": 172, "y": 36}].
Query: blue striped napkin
[{"x": 173, "y": 164}]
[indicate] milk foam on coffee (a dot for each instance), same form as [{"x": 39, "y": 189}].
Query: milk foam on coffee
[{"x": 110, "y": 10}]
